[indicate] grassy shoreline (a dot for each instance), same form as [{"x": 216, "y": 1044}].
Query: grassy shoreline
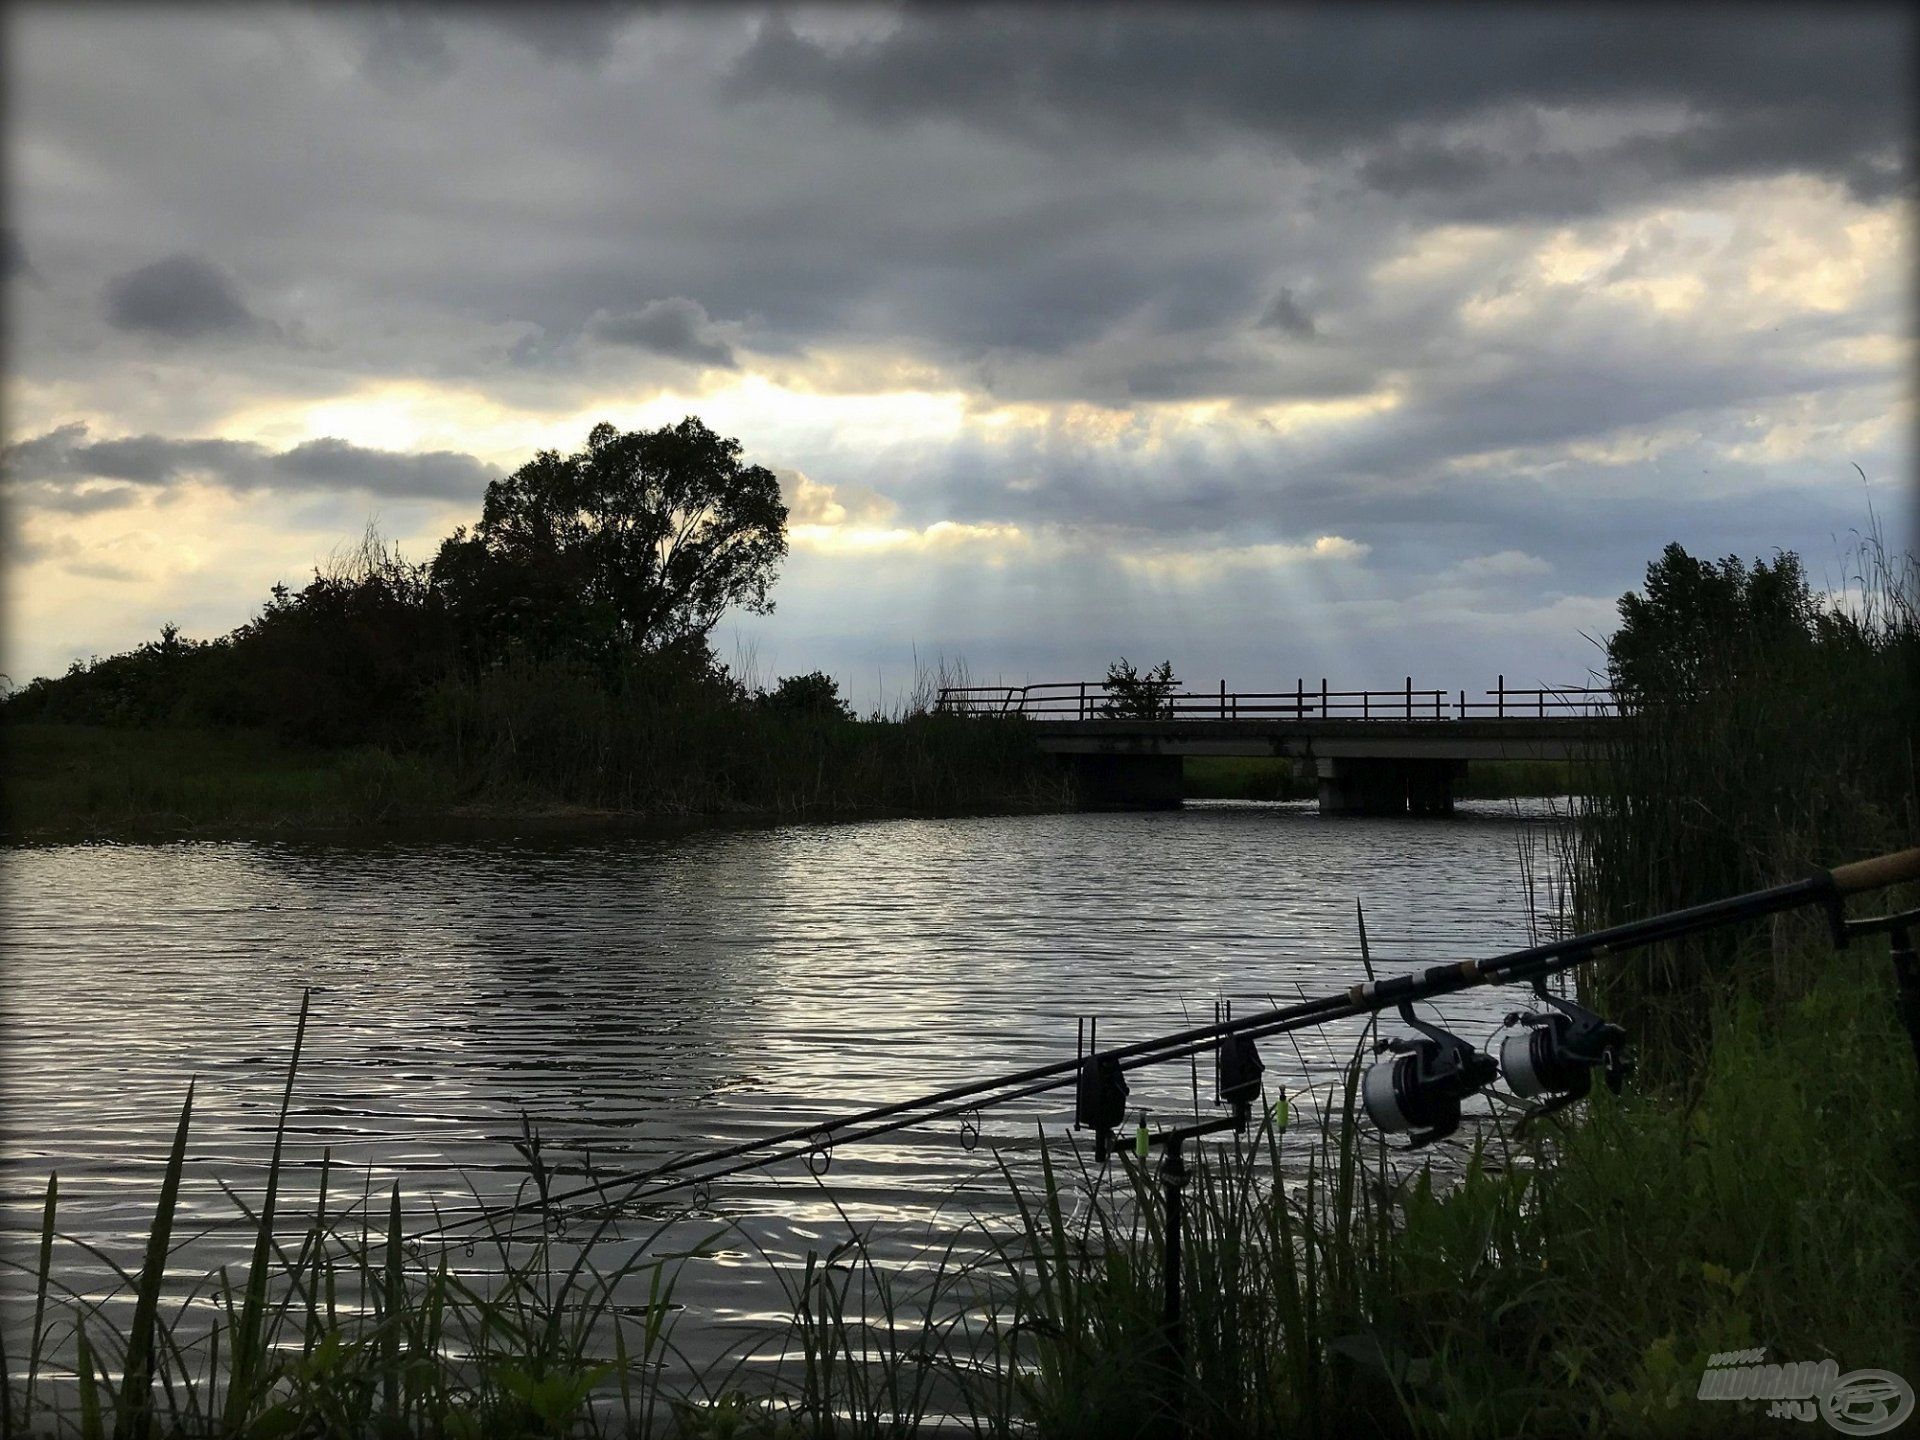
[
  {"x": 1575, "y": 1280},
  {"x": 64, "y": 783},
  {"x": 92, "y": 782}
]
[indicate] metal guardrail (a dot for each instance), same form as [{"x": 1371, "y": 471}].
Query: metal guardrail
[{"x": 1094, "y": 700}]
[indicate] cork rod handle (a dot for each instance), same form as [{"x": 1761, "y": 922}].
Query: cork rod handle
[{"x": 1877, "y": 873}]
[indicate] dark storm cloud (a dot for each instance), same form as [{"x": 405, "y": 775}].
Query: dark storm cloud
[
  {"x": 892, "y": 246},
  {"x": 1287, "y": 315},
  {"x": 329, "y": 463},
  {"x": 1106, "y": 207},
  {"x": 1765, "y": 90},
  {"x": 59, "y": 470},
  {"x": 13, "y": 255},
  {"x": 1415, "y": 166},
  {"x": 579, "y": 31},
  {"x": 408, "y": 43},
  {"x": 404, "y": 46},
  {"x": 182, "y": 298},
  {"x": 61, "y": 498},
  {"x": 676, "y": 327},
  {"x": 1397, "y": 469}
]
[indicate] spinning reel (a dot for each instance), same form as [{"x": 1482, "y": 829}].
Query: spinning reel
[
  {"x": 1555, "y": 1052},
  {"x": 1419, "y": 1091}
]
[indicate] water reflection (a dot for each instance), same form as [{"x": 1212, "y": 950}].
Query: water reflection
[{"x": 638, "y": 997}]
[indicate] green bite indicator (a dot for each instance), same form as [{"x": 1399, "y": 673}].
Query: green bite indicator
[
  {"x": 1280, "y": 1112},
  {"x": 1141, "y": 1141}
]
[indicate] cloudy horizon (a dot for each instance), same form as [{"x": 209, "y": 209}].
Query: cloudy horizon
[{"x": 1355, "y": 342}]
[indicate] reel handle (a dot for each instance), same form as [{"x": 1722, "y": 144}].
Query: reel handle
[{"x": 1877, "y": 873}]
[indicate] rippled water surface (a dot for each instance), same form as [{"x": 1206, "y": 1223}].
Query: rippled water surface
[{"x": 636, "y": 997}]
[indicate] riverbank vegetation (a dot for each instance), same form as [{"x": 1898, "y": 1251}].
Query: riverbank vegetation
[
  {"x": 85, "y": 781},
  {"x": 1570, "y": 1283},
  {"x": 526, "y": 747},
  {"x": 1755, "y": 1188},
  {"x": 553, "y": 660}
]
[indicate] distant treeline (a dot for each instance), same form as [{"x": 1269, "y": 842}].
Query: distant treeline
[
  {"x": 614, "y": 563},
  {"x": 558, "y": 654},
  {"x": 373, "y": 651}
]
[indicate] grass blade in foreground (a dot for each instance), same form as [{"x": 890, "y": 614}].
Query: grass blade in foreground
[
  {"x": 248, "y": 1361},
  {"x": 133, "y": 1419}
]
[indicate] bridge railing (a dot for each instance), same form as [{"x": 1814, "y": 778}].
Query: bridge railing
[{"x": 1091, "y": 699}]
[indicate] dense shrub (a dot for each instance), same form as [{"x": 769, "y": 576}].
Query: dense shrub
[
  {"x": 816, "y": 693},
  {"x": 344, "y": 661},
  {"x": 1768, "y": 730}
]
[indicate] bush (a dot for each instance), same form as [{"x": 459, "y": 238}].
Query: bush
[
  {"x": 1133, "y": 696},
  {"x": 816, "y": 693},
  {"x": 344, "y": 661}
]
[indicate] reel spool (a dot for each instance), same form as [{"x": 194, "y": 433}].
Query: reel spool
[
  {"x": 1553, "y": 1053},
  {"x": 1419, "y": 1090}
]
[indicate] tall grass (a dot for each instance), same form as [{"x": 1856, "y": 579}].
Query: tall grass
[
  {"x": 351, "y": 1331},
  {"x": 531, "y": 728},
  {"x": 1569, "y": 1281},
  {"x": 66, "y": 781}
]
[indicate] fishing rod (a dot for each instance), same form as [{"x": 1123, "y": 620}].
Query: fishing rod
[{"x": 1418, "y": 1091}]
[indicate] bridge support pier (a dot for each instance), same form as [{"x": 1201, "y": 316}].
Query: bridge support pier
[
  {"x": 1127, "y": 782},
  {"x": 1387, "y": 787}
]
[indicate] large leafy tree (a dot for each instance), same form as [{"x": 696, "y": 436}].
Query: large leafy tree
[
  {"x": 1701, "y": 624},
  {"x": 643, "y": 539}
]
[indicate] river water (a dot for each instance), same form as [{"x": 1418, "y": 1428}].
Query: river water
[{"x": 637, "y": 996}]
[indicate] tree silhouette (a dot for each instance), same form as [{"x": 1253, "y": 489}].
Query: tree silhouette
[
  {"x": 643, "y": 539},
  {"x": 815, "y": 693},
  {"x": 1132, "y": 695},
  {"x": 1702, "y": 623}
]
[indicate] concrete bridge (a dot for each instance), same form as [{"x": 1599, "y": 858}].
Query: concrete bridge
[{"x": 1374, "y": 752}]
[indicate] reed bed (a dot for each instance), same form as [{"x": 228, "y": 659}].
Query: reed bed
[
  {"x": 541, "y": 729},
  {"x": 530, "y": 738}
]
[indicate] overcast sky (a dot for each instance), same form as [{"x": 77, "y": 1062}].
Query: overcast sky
[{"x": 1357, "y": 342}]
